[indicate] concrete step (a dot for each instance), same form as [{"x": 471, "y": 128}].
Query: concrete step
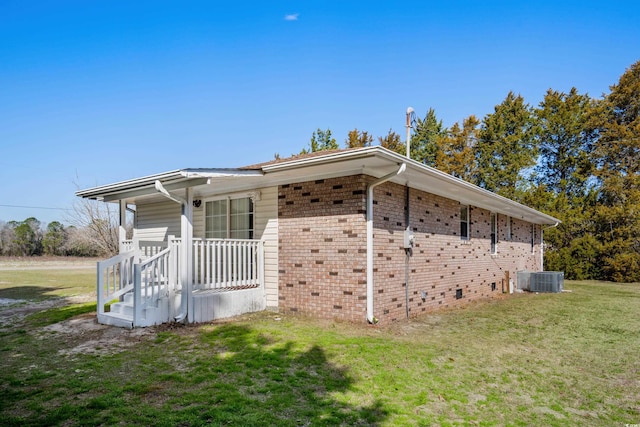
[
  {"x": 122, "y": 312},
  {"x": 123, "y": 308},
  {"x": 116, "y": 319}
]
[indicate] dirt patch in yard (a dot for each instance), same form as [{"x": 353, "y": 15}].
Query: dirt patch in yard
[
  {"x": 13, "y": 311},
  {"x": 86, "y": 336},
  {"x": 82, "y": 334}
]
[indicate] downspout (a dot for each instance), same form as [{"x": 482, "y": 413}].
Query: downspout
[
  {"x": 542, "y": 244},
  {"x": 183, "y": 207},
  {"x": 370, "y": 187}
]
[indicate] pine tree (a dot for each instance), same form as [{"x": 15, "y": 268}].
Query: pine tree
[
  {"x": 506, "y": 147},
  {"x": 456, "y": 154},
  {"x": 393, "y": 142},
  {"x": 425, "y": 139},
  {"x": 356, "y": 138},
  {"x": 565, "y": 139},
  {"x": 321, "y": 140},
  {"x": 617, "y": 155}
]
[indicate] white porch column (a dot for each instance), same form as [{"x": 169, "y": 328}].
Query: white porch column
[
  {"x": 186, "y": 232},
  {"x": 122, "y": 223}
]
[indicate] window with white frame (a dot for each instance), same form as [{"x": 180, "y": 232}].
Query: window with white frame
[
  {"x": 508, "y": 231},
  {"x": 464, "y": 222},
  {"x": 494, "y": 233},
  {"x": 229, "y": 219}
]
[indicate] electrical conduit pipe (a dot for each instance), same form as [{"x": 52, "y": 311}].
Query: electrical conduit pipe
[{"x": 370, "y": 317}]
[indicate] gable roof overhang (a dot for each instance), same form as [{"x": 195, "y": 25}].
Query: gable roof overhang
[
  {"x": 374, "y": 161},
  {"x": 145, "y": 187},
  {"x": 377, "y": 162}
]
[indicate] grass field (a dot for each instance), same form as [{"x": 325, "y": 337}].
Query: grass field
[{"x": 527, "y": 360}]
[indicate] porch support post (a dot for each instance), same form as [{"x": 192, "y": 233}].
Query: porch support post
[
  {"x": 122, "y": 223},
  {"x": 186, "y": 232}
]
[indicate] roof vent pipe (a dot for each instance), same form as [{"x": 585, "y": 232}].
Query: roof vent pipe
[{"x": 401, "y": 169}]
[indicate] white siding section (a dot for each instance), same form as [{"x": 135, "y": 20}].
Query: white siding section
[
  {"x": 198, "y": 219},
  {"x": 266, "y": 210},
  {"x": 156, "y": 221},
  {"x": 266, "y": 228}
]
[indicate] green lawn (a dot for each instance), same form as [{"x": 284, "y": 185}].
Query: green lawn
[
  {"x": 47, "y": 283},
  {"x": 528, "y": 360}
]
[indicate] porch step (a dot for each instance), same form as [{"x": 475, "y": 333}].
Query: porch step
[
  {"x": 122, "y": 308},
  {"x": 116, "y": 319},
  {"x": 122, "y": 313}
]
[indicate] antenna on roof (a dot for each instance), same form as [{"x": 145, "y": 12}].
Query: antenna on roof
[{"x": 409, "y": 114}]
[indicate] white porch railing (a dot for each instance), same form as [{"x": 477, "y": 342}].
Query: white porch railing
[
  {"x": 152, "y": 280},
  {"x": 153, "y": 271},
  {"x": 126, "y": 245},
  {"x": 115, "y": 278},
  {"x": 144, "y": 248},
  {"x": 227, "y": 264}
]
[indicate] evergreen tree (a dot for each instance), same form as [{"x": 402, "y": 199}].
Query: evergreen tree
[
  {"x": 356, "y": 138},
  {"x": 28, "y": 237},
  {"x": 617, "y": 156},
  {"x": 425, "y": 139},
  {"x": 506, "y": 147},
  {"x": 393, "y": 142},
  {"x": 321, "y": 140},
  {"x": 54, "y": 239},
  {"x": 456, "y": 154},
  {"x": 565, "y": 139}
]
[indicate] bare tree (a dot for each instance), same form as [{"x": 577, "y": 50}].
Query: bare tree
[
  {"x": 97, "y": 223},
  {"x": 79, "y": 243}
]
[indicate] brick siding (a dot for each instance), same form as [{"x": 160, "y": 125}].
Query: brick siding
[
  {"x": 322, "y": 248},
  {"x": 322, "y": 251}
]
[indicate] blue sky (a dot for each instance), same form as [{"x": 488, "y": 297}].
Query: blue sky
[{"x": 94, "y": 92}]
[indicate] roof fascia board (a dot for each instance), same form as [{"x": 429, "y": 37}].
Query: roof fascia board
[
  {"x": 136, "y": 183},
  {"x": 128, "y": 183},
  {"x": 150, "y": 189},
  {"x": 320, "y": 160},
  {"x": 220, "y": 173},
  {"x": 457, "y": 182}
]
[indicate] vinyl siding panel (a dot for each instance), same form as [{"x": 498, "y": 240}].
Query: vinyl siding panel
[
  {"x": 266, "y": 226},
  {"x": 156, "y": 221}
]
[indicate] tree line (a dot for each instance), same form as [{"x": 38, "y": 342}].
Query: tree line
[
  {"x": 94, "y": 233},
  {"x": 31, "y": 238},
  {"x": 572, "y": 156}
]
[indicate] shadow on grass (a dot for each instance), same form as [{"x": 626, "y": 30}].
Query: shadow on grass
[
  {"x": 39, "y": 307},
  {"x": 59, "y": 314},
  {"x": 34, "y": 293},
  {"x": 232, "y": 375},
  {"x": 246, "y": 378}
]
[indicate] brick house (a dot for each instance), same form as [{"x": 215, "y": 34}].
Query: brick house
[{"x": 361, "y": 235}]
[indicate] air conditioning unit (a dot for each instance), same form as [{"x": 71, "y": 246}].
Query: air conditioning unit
[
  {"x": 523, "y": 280},
  {"x": 542, "y": 281},
  {"x": 546, "y": 281}
]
